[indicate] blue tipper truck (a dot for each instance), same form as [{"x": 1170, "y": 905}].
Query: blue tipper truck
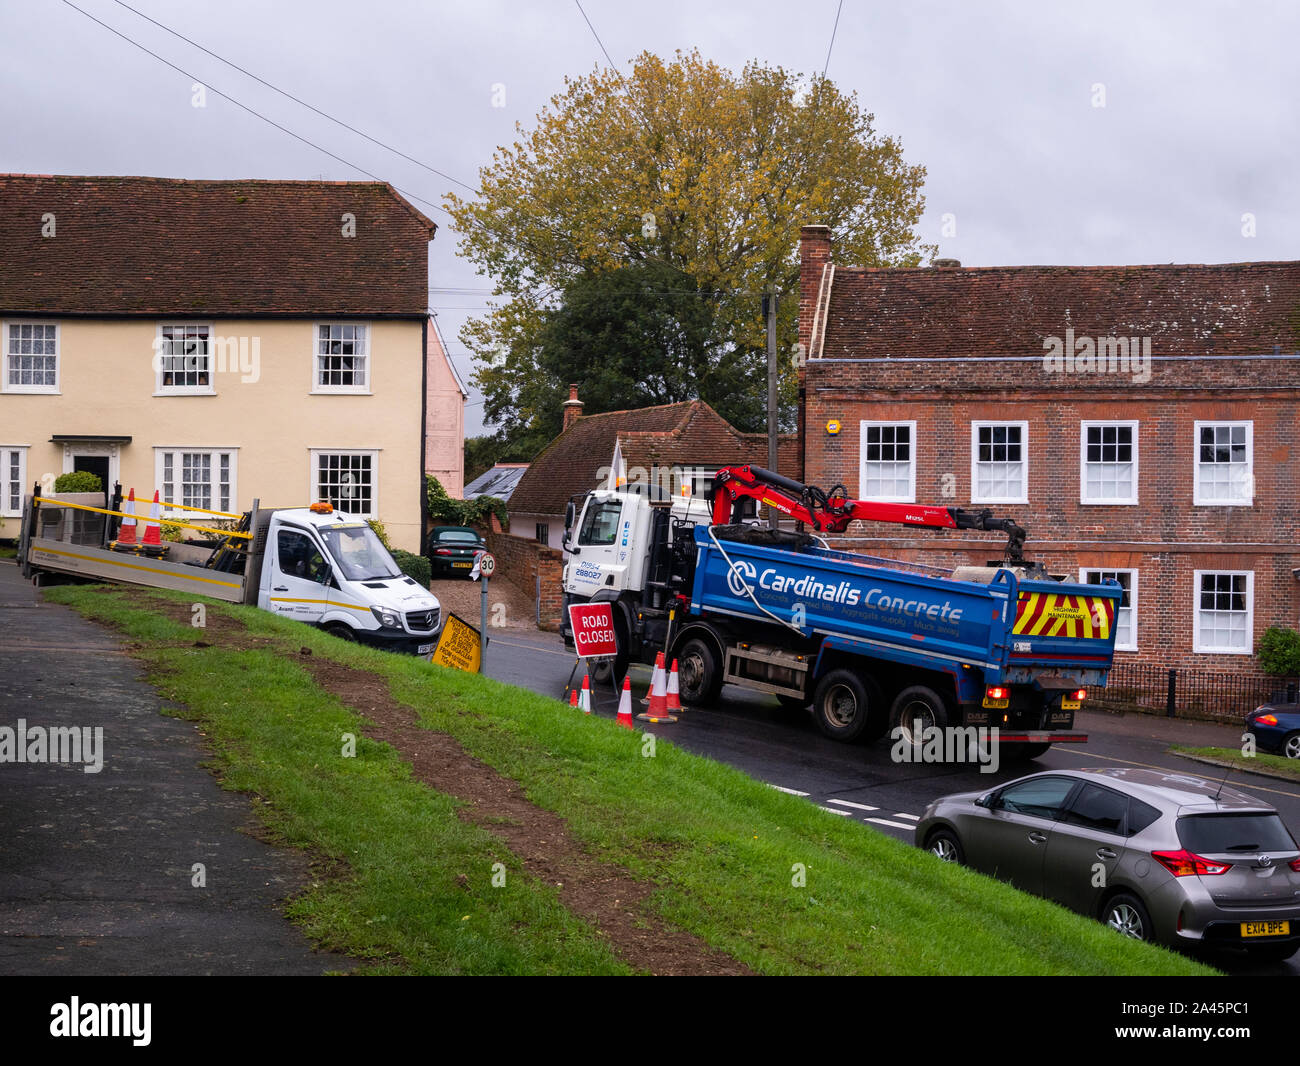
[{"x": 872, "y": 644}]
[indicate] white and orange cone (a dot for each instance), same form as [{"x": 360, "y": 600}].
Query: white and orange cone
[
  {"x": 654, "y": 679},
  {"x": 126, "y": 532},
  {"x": 674, "y": 704},
  {"x": 658, "y": 711},
  {"x": 153, "y": 527},
  {"x": 625, "y": 705},
  {"x": 584, "y": 701}
]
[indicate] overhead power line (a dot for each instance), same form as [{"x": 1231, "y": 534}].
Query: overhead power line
[{"x": 298, "y": 100}]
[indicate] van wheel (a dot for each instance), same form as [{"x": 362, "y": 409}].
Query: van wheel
[
  {"x": 338, "y": 629},
  {"x": 917, "y": 704},
  {"x": 699, "y": 677},
  {"x": 845, "y": 704}
]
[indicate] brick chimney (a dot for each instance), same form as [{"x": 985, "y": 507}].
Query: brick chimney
[
  {"x": 572, "y": 406},
  {"x": 814, "y": 254}
]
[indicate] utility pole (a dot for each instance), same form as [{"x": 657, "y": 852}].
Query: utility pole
[{"x": 769, "y": 309}]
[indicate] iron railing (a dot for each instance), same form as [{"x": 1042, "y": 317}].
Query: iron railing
[{"x": 1182, "y": 693}]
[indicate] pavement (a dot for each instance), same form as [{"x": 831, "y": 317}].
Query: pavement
[{"x": 97, "y": 870}]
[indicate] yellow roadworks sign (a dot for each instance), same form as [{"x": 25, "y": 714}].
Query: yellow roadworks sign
[{"x": 458, "y": 647}]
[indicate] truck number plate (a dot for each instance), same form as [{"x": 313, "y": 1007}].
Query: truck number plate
[
  {"x": 997, "y": 705},
  {"x": 1069, "y": 705}
]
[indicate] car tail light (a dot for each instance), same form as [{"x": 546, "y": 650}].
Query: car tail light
[
  {"x": 1295, "y": 865},
  {"x": 1185, "y": 864},
  {"x": 1081, "y": 694},
  {"x": 1267, "y": 719},
  {"x": 997, "y": 692},
  {"x": 442, "y": 551}
]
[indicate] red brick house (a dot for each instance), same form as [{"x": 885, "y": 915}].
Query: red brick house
[
  {"x": 1141, "y": 422},
  {"x": 665, "y": 445}
]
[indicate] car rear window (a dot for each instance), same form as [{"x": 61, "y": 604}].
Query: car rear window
[
  {"x": 1217, "y": 834},
  {"x": 457, "y": 534},
  {"x": 1097, "y": 808}
]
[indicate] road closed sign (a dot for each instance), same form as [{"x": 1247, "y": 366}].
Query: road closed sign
[
  {"x": 458, "y": 647},
  {"x": 593, "y": 629}
]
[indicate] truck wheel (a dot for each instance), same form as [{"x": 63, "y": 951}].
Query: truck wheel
[
  {"x": 917, "y": 704},
  {"x": 699, "y": 677},
  {"x": 845, "y": 704},
  {"x": 1033, "y": 751}
]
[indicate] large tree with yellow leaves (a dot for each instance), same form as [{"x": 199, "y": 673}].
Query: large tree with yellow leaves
[{"x": 697, "y": 173}]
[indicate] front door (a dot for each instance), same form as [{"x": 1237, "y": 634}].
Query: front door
[{"x": 94, "y": 464}]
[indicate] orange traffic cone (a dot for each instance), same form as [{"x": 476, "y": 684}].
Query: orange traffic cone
[
  {"x": 153, "y": 527},
  {"x": 573, "y": 697},
  {"x": 674, "y": 704},
  {"x": 584, "y": 701},
  {"x": 654, "y": 679},
  {"x": 658, "y": 699},
  {"x": 625, "y": 705},
  {"x": 126, "y": 534}
]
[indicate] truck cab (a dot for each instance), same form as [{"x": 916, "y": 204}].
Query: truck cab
[{"x": 330, "y": 570}]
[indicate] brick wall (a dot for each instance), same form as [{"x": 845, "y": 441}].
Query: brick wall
[{"x": 523, "y": 561}]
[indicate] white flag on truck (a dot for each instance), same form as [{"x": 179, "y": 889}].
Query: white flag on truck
[{"x": 617, "y": 471}]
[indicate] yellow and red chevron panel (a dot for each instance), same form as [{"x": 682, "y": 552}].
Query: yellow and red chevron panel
[{"x": 1055, "y": 614}]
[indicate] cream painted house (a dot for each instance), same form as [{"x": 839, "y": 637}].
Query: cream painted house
[{"x": 219, "y": 341}]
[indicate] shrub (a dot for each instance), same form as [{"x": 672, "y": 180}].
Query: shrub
[
  {"x": 171, "y": 531},
  {"x": 380, "y": 532},
  {"x": 78, "y": 481},
  {"x": 448, "y": 512},
  {"x": 415, "y": 566},
  {"x": 1279, "y": 652}
]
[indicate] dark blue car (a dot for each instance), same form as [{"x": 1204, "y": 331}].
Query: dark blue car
[{"x": 1276, "y": 728}]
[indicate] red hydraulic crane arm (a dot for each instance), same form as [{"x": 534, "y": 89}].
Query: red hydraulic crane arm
[{"x": 831, "y": 512}]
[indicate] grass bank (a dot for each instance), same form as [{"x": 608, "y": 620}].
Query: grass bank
[{"x": 768, "y": 878}]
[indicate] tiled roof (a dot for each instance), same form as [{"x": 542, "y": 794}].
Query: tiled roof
[
  {"x": 680, "y": 434},
  {"x": 128, "y": 245},
  {"x": 958, "y": 311}
]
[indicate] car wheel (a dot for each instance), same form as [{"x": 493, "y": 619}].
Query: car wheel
[
  {"x": 1128, "y": 917},
  {"x": 1291, "y": 746},
  {"x": 699, "y": 678},
  {"x": 1272, "y": 952},
  {"x": 845, "y": 704},
  {"x": 917, "y": 704},
  {"x": 943, "y": 844}
]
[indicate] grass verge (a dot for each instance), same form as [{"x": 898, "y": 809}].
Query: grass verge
[
  {"x": 724, "y": 850},
  {"x": 1261, "y": 761}
]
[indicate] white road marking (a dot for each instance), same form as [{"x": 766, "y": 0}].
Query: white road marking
[
  {"x": 788, "y": 791},
  {"x": 832, "y": 810},
  {"x": 909, "y": 817},
  {"x": 886, "y": 821},
  {"x": 855, "y": 806}
]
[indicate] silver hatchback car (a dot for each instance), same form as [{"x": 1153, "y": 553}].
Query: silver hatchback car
[{"x": 1157, "y": 856}]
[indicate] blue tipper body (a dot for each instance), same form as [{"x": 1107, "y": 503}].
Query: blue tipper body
[{"x": 922, "y": 617}]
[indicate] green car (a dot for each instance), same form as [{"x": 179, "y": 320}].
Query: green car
[{"x": 451, "y": 550}]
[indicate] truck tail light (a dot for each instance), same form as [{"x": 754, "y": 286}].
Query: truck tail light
[
  {"x": 1185, "y": 864},
  {"x": 997, "y": 692},
  {"x": 1080, "y": 694}
]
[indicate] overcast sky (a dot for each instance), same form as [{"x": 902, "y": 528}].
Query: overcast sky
[{"x": 997, "y": 100}]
